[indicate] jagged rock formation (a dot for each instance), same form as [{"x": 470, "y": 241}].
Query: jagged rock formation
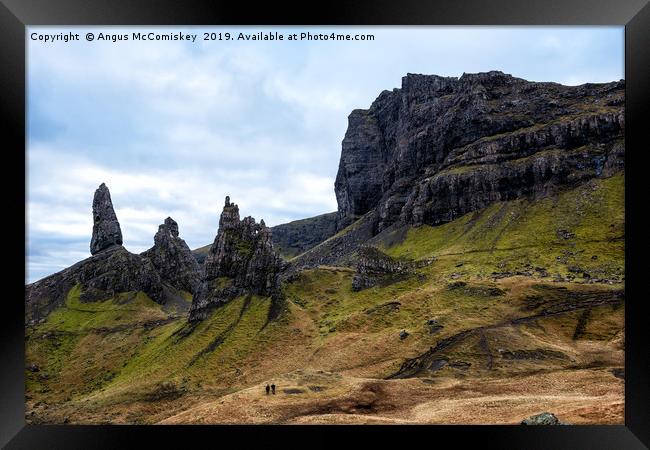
[
  {"x": 293, "y": 238},
  {"x": 173, "y": 259},
  {"x": 241, "y": 261},
  {"x": 106, "y": 228},
  {"x": 117, "y": 270},
  {"x": 112, "y": 269},
  {"x": 440, "y": 147}
]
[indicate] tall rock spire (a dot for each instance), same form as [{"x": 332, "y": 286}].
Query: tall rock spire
[
  {"x": 241, "y": 261},
  {"x": 106, "y": 228}
]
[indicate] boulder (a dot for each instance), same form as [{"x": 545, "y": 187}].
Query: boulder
[{"x": 545, "y": 418}]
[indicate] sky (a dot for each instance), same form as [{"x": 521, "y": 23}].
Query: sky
[{"x": 173, "y": 127}]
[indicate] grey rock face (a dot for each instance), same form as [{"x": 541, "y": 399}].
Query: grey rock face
[
  {"x": 440, "y": 147},
  {"x": 241, "y": 261},
  {"x": 358, "y": 183},
  {"x": 173, "y": 259},
  {"x": 118, "y": 271},
  {"x": 294, "y": 238},
  {"x": 106, "y": 228},
  {"x": 544, "y": 418}
]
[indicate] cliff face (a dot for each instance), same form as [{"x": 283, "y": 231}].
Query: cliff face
[
  {"x": 241, "y": 261},
  {"x": 440, "y": 147}
]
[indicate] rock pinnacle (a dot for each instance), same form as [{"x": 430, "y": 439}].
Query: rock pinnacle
[{"x": 106, "y": 228}]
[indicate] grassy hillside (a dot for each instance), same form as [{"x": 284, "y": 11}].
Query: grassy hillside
[
  {"x": 503, "y": 323},
  {"x": 577, "y": 234}
]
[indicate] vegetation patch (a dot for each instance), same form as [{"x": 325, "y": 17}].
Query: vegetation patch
[{"x": 576, "y": 235}]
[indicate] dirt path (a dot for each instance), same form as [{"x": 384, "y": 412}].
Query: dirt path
[{"x": 304, "y": 397}]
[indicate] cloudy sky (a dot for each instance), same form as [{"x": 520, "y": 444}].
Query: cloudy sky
[{"x": 174, "y": 127}]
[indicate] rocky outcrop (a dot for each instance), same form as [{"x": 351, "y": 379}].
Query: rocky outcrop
[
  {"x": 173, "y": 259},
  {"x": 106, "y": 228},
  {"x": 118, "y": 270},
  {"x": 241, "y": 261},
  {"x": 292, "y": 238},
  {"x": 440, "y": 147},
  {"x": 112, "y": 269},
  {"x": 374, "y": 267}
]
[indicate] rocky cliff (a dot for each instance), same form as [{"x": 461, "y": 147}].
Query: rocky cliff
[
  {"x": 241, "y": 261},
  {"x": 427, "y": 153},
  {"x": 440, "y": 147}
]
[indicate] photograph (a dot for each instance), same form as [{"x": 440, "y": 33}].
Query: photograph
[{"x": 324, "y": 225}]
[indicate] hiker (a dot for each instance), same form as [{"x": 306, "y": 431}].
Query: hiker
[
  {"x": 273, "y": 388},
  {"x": 267, "y": 389}
]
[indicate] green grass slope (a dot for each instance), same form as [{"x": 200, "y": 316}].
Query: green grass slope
[{"x": 579, "y": 233}]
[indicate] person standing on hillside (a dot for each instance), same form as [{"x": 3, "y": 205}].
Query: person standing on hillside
[
  {"x": 273, "y": 388},
  {"x": 267, "y": 389}
]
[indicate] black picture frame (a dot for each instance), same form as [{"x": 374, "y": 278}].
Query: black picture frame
[{"x": 15, "y": 15}]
